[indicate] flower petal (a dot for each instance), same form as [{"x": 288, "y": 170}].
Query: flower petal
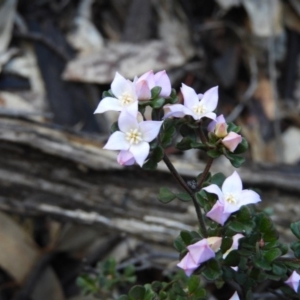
[
  {"x": 108, "y": 103},
  {"x": 125, "y": 158},
  {"x": 188, "y": 265},
  {"x": 235, "y": 296},
  {"x": 140, "y": 152},
  {"x": 189, "y": 95},
  {"x": 178, "y": 111},
  {"x": 248, "y": 197},
  {"x": 142, "y": 90},
  {"x": 150, "y": 130},
  {"x": 162, "y": 79},
  {"x": 214, "y": 189},
  {"x": 235, "y": 244},
  {"x": 210, "y": 99},
  {"x": 232, "y": 184},
  {"x": 149, "y": 77},
  {"x": 127, "y": 121},
  {"x": 231, "y": 141},
  {"x": 201, "y": 251},
  {"x": 117, "y": 141},
  {"x": 293, "y": 281},
  {"x": 212, "y": 125},
  {"x": 119, "y": 85},
  {"x": 217, "y": 213},
  {"x": 209, "y": 115}
]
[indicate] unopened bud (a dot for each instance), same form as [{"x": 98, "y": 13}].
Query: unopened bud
[{"x": 221, "y": 130}]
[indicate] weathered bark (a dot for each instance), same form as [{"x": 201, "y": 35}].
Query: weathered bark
[{"x": 46, "y": 170}]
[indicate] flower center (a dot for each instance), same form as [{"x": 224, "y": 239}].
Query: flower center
[
  {"x": 230, "y": 198},
  {"x": 133, "y": 136},
  {"x": 126, "y": 99},
  {"x": 199, "y": 109}
]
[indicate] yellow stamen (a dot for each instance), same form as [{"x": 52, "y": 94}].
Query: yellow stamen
[
  {"x": 126, "y": 99},
  {"x": 133, "y": 136}
]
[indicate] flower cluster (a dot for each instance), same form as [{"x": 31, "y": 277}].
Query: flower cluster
[
  {"x": 135, "y": 133},
  {"x": 230, "y": 198},
  {"x": 138, "y": 138}
]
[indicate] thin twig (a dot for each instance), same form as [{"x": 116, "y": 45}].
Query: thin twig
[
  {"x": 184, "y": 185},
  {"x": 205, "y": 172}
]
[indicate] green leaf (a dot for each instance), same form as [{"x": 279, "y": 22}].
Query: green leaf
[
  {"x": 173, "y": 97},
  {"x": 279, "y": 268},
  {"x": 155, "y": 92},
  {"x": 218, "y": 179},
  {"x": 193, "y": 283},
  {"x": 295, "y": 227},
  {"x": 165, "y": 195},
  {"x": 272, "y": 254},
  {"x": 123, "y": 297},
  {"x": 156, "y": 286},
  {"x": 226, "y": 244},
  {"x": 244, "y": 214},
  {"x": 196, "y": 145},
  {"x": 137, "y": 292},
  {"x": 232, "y": 127},
  {"x": 158, "y": 154},
  {"x": 232, "y": 259},
  {"x": 184, "y": 197},
  {"x": 167, "y": 132},
  {"x": 236, "y": 226},
  {"x": 212, "y": 270},
  {"x": 184, "y": 144},
  {"x": 114, "y": 127},
  {"x": 242, "y": 147},
  {"x": 158, "y": 103},
  {"x": 187, "y": 237},
  {"x": 213, "y": 153},
  {"x": 108, "y": 93},
  {"x": 295, "y": 246},
  {"x": 237, "y": 161},
  {"x": 177, "y": 289},
  {"x": 262, "y": 263},
  {"x": 179, "y": 244},
  {"x": 185, "y": 131}
]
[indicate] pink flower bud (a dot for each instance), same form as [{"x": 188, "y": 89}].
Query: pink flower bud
[
  {"x": 221, "y": 130},
  {"x": 231, "y": 141}
]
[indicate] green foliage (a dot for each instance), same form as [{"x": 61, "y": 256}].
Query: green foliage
[
  {"x": 165, "y": 195},
  {"x": 105, "y": 279},
  {"x": 155, "y": 156},
  {"x": 167, "y": 133}
]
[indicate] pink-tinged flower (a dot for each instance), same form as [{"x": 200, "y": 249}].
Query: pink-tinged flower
[
  {"x": 231, "y": 141},
  {"x": 201, "y": 251},
  {"x": 124, "y": 91},
  {"x": 218, "y": 214},
  {"x": 230, "y": 199},
  {"x": 197, "y": 106},
  {"x": 293, "y": 281},
  {"x": 188, "y": 264},
  {"x": 235, "y": 244},
  {"x": 134, "y": 136},
  {"x": 125, "y": 158},
  {"x": 218, "y": 126},
  {"x": 148, "y": 81},
  {"x": 235, "y": 296}
]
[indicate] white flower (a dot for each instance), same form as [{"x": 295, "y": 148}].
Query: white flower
[
  {"x": 134, "y": 136},
  {"x": 124, "y": 91},
  {"x": 197, "y": 106}
]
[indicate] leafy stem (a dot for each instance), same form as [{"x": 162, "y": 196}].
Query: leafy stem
[{"x": 184, "y": 185}]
